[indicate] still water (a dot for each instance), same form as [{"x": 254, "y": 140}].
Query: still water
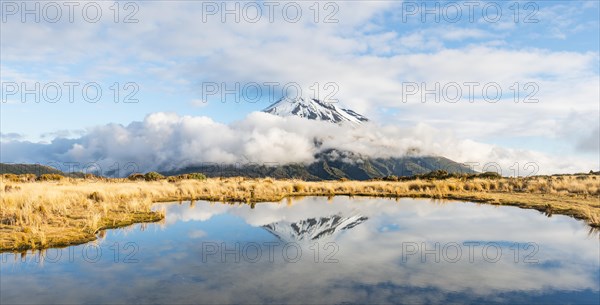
[{"x": 320, "y": 250}]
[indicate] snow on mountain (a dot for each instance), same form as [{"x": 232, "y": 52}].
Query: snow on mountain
[
  {"x": 314, "y": 109},
  {"x": 313, "y": 228}
]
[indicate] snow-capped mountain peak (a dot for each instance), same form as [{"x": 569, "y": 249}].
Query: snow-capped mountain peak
[{"x": 314, "y": 109}]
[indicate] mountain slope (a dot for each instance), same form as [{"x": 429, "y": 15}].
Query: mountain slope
[
  {"x": 36, "y": 169},
  {"x": 314, "y": 109},
  {"x": 333, "y": 165}
]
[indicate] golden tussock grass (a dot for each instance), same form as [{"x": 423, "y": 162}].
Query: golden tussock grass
[{"x": 50, "y": 213}]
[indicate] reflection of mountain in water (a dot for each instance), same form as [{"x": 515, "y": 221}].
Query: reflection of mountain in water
[{"x": 313, "y": 228}]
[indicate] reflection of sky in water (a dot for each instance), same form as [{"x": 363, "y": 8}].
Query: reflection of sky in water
[{"x": 371, "y": 266}]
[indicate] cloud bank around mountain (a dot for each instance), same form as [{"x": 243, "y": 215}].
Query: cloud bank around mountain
[{"x": 168, "y": 141}]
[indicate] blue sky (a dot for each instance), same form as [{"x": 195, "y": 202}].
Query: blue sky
[{"x": 369, "y": 50}]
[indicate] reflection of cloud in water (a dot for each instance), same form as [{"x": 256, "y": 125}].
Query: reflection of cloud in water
[
  {"x": 196, "y": 234},
  {"x": 185, "y": 213},
  {"x": 366, "y": 255},
  {"x": 370, "y": 268}
]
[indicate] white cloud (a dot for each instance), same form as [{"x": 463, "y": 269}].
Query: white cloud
[
  {"x": 195, "y": 234},
  {"x": 166, "y": 141},
  {"x": 11, "y": 136}
]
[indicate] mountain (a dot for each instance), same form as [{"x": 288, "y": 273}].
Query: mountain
[
  {"x": 330, "y": 164},
  {"x": 36, "y": 169},
  {"x": 314, "y": 109},
  {"x": 335, "y": 164},
  {"x": 313, "y": 228}
]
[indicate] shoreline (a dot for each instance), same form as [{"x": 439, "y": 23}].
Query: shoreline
[{"x": 50, "y": 214}]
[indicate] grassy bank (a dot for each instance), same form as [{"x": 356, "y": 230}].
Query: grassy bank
[{"x": 64, "y": 211}]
